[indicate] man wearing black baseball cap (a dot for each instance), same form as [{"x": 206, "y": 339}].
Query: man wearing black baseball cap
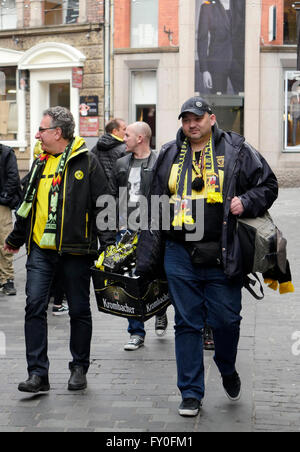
[
  {"x": 195, "y": 105},
  {"x": 211, "y": 177}
]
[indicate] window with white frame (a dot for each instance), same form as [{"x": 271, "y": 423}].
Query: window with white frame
[
  {"x": 8, "y": 104},
  {"x": 8, "y": 15},
  {"x": 144, "y": 23},
  {"x": 57, "y": 12},
  {"x": 292, "y": 112}
]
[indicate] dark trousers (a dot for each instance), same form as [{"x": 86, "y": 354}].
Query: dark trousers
[
  {"x": 201, "y": 295},
  {"x": 236, "y": 76},
  {"x": 41, "y": 266}
]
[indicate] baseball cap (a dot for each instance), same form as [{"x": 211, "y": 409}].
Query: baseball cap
[{"x": 195, "y": 105}]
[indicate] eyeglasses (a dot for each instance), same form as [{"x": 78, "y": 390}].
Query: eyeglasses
[{"x": 42, "y": 129}]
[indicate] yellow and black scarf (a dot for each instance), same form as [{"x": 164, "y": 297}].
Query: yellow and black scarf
[
  {"x": 49, "y": 235},
  {"x": 183, "y": 198}
]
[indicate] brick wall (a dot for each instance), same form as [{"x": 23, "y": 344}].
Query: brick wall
[
  {"x": 265, "y": 21},
  {"x": 26, "y": 13},
  {"x": 122, "y": 24},
  {"x": 168, "y": 18},
  {"x": 95, "y": 10}
]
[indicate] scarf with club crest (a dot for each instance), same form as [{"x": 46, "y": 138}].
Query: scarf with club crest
[
  {"x": 183, "y": 199},
  {"x": 49, "y": 236}
]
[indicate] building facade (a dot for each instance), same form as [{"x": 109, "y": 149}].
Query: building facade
[
  {"x": 279, "y": 83},
  {"x": 141, "y": 59},
  {"x": 51, "y": 53},
  {"x": 168, "y": 50},
  {"x": 147, "y": 64}
]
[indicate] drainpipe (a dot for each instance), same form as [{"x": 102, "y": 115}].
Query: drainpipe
[
  {"x": 107, "y": 61},
  {"x": 112, "y": 72}
]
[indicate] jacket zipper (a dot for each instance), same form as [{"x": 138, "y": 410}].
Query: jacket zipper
[
  {"x": 86, "y": 225},
  {"x": 64, "y": 197}
]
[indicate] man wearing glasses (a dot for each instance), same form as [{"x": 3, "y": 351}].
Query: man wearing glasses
[{"x": 57, "y": 221}]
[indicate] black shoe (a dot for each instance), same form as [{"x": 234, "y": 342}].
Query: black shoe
[
  {"x": 8, "y": 288},
  {"x": 35, "y": 384},
  {"x": 161, "y": 325},
  {"x": 232, "y": 386},
  {"x": 189, "y": 407},
  {"x": 208, "y": 339},
  {"x": 77, "y": 379}
]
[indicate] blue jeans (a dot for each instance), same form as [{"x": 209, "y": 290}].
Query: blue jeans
[
  {"x": 201, "y": 295},
  {"x": 136, "y": 327},
  {"x": 41, "y": 266}
]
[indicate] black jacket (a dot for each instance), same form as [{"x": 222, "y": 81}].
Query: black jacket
[
  {"x": 10, "y": 188},
  {"x": 120, "y": 174},
  {"x": 82, "y": 184},
  {"x": 246, "y": 174},
  {"x": 108, "y": 149}
]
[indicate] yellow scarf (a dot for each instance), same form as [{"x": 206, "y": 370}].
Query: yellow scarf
[{"x": 183, "y": 195}]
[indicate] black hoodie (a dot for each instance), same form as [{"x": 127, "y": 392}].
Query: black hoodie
[
  {"x": 108, "y": 149},
  {"x": 10, "y": 188}
]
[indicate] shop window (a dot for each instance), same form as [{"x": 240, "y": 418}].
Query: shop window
[
  {"x": 144, "y": 23},
  {"x": 8, "y": 14},
  {"x": 59, "y": 12},
  {"x": 8, "y": 104},
  {"x": 292, "y": 112},
  {"x": 290, "y": 23}
]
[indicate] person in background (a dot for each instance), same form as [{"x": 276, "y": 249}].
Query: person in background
[
  {"x": 110, "y": 146},
  {"x": 133, "y": 174},
  {"x": 10, "y": 196}
]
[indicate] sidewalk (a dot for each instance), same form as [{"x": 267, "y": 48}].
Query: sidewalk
[{"x": 136, "y": 391}]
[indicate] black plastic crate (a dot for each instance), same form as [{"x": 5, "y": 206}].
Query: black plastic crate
[{"x": 130, "y": 297}]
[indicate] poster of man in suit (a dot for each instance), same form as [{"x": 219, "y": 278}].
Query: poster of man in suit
[{"x": 220, "y": 46}]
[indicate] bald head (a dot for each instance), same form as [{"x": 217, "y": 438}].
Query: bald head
[
  {"x": 137, "y": 138},
  {"x": 142, "y": 129}
]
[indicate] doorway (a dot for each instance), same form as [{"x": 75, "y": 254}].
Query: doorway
[
  {"x": 144, "y": 99},
  {"x": 147, "y": 113}
]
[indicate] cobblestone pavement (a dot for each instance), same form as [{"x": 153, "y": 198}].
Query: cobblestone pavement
[{"x": 136, "y": 391}]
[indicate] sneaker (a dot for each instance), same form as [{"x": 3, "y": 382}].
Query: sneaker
[
  {"x": 189, "y": 407},
  {"x": 232, "y": 386},
  {"x": 60, "y": 310},
  {"x": 161, "y": 325},
  {"x": 8, "y": 288},
  {"x": 208, "y": 342},
  {"x": 134, "y": 343}
]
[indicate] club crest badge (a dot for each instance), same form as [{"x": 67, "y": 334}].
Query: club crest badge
[{"x": 79, "y": 175}]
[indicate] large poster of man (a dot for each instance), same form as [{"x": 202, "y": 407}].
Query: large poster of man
[{"x": 220, "y": 46}]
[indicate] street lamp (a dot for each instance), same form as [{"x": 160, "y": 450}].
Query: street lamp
[{"x": 296, "y": 5}]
